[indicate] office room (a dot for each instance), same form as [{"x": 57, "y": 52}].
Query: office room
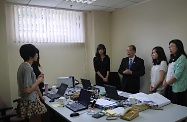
[{"x": 145, "y": 25}]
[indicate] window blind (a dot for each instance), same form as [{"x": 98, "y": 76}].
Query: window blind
[{"x": 44, "y": 25}]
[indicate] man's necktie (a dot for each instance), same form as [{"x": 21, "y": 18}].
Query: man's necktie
[{"x": 130, "y": 63}]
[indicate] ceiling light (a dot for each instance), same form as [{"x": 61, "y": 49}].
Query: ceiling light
[{"x": 83, "y": 1}]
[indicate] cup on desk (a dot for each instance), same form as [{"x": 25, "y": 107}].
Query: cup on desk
[
  {"x": 46, "y": 85},
  {"x": 132, "y": 100},
  {"x": 53, "y": 89},
  {"x": 62, "y": 101}
]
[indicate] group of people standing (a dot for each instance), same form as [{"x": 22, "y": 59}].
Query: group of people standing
[{"x": 168, "y": 79}]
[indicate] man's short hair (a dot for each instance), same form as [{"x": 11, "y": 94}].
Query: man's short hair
[
  {"x": 27, "y": 50},
  {"x": 132, "y": 47}
]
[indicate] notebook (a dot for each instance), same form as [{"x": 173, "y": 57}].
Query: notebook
[
  {"x": 87, "y": 84},
  {"x": 60, "y": 92},
  {"x": 111, "y": 92},
  {"x": 66, "y": 80},
  {"x": 82, "y": 103}
]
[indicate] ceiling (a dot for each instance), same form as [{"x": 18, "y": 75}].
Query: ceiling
[{"x": 98, "y": 5}]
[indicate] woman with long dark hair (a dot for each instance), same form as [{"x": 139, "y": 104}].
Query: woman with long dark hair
[
  {"x": 178, "y": 79},
  {"x": 101, "y": 65},
  {"x": 36, "y": 68},
  {"x": 158, "y": 70}
]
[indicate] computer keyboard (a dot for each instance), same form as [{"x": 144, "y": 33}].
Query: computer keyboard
[
  {"x": 75, "y": 106},
  {"x": 53, "y": 96}
]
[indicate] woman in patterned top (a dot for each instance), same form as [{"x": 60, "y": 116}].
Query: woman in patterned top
[{"x": 29, "y": 106}]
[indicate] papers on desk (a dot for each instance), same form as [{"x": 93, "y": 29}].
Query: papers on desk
[
  {"x": 103, "y": 102},
  {"x": 154, "y": 99},
  {"x": 115, "y": 111},
  {"x": 141, "y": 96},
  {"x": 120, "y": 92},
  {"x": 118, "y": 110},
  {"x": 159, "y": 99},
  {"x": 56, "y": 105}
]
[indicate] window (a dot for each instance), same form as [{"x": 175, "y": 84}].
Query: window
[{"x": 44, "y": 25}]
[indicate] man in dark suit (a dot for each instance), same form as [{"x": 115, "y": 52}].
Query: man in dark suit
[{"x": 131, "y": 68}]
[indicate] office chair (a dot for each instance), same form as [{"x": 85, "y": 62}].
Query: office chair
[
  {"x": 16, "y": 118},
  {"x": 6, "y": 112},
  {"x": 114, "y": 80}
]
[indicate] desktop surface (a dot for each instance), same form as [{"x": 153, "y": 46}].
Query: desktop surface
[{"x": 170, "y": 113}]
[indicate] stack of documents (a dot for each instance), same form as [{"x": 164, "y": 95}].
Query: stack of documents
[
  {"x": 103, "y": 103},
  {"x": 154, "y": 99}
]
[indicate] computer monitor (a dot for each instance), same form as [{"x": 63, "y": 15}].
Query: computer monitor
[
  {"x": 111, "y": 92},
  {"x": 86, "y": 84},
  {"x": 66, "y": 80},
  {"x": 84, "y": 97},
  {"x": 62, "y": 89}
]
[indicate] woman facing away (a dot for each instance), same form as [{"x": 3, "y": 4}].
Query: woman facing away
[
  {"x": 158, "y": 70},
  {"x": 101, "y": 63},
  {"x": 29, "y": 106},
  {"x": 178, "y": 77}
]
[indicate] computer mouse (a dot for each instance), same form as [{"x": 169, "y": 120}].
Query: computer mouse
[
  {"x": 74, "y": 114},
  {"x": 52, "y": 100}
]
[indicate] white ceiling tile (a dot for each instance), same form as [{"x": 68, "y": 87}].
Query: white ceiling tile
[
  {"x": 110, "y": 9},
  {"x": 49, "y": 3},
  {"x": 108, "y": 3},
  {"x": 71, "y": 5},
  {"x": 100, "y": 5},
  {"x": 92, "y": 8},
  {"x": 125, "y": 4},
  {"x": 19, "y": 1}
]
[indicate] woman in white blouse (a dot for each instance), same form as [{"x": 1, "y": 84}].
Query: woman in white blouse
[{"x": 158, "y": 70}]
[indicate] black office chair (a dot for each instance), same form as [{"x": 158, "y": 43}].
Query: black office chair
[
  {"x": 16, "y": 118},
  {"x": 6, "y": 112},
  {"x": 114, "y": 80}
]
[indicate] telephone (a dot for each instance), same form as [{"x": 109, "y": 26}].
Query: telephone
[
  {"x": 141, "y": 106},
  {"x": 129, "y": 114}
]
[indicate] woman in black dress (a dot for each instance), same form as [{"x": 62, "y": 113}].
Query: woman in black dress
[
  {"x": 101, "y": 65},
  {"x": 36, "y": 68}
]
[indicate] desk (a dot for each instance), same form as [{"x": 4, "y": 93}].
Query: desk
[{"x": 170, "y": 113}]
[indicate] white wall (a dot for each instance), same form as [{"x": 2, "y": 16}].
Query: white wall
[
  {"x": 4, "y": 66},
  {"x": 98, "y": 32},
  {"x": 90, "y": 45},
  {"x": 56, "y": 60},
  {"x": 147, "y": 25}
]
